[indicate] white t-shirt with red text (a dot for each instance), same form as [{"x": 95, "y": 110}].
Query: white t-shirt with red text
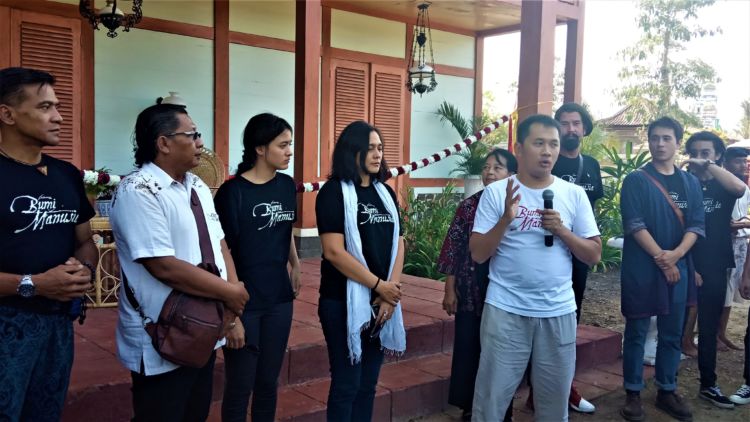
[{"x": 526, "y": 277}]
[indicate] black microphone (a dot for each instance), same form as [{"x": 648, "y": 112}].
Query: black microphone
[{"x": 548, "y": 195}]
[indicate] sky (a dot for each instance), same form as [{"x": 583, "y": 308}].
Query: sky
[{"x": 610, "y": 26}]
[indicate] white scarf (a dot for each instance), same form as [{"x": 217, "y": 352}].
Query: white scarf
[{"x": 392, "y": 335}]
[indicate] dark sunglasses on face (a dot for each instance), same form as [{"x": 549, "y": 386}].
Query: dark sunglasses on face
[{"x": 193, "y": 134}]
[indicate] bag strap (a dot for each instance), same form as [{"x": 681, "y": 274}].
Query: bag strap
[
  {"x": 204, "y": 239},
  {"x": 580, "y": 169},
  {"x": 207, "y": 251},
  {"x": 659, "y": 186},
  {"x": 130, "y": 295}
]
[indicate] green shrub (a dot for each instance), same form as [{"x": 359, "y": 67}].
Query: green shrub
[
  {"x": 425, "y": 223},
  {"x": 608, "y": 208}
]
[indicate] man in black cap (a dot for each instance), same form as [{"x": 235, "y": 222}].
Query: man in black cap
[{"x": 582, "y": 170}]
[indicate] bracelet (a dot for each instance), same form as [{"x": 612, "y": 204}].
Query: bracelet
[
  {"x": 91, "y": 270},
  {"x": 376, "y": 284}
]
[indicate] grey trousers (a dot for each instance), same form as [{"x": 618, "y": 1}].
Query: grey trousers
[{"x": 508, "y": 342}]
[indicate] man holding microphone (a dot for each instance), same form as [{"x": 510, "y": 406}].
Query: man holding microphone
[{"x": 530, "y": 305}]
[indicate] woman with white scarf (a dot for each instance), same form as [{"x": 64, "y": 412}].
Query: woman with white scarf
[{"x": 363, "y": 255}]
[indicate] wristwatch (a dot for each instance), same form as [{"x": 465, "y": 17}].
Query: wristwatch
[
  {"x": 708, "y": 163},
  {"x": 26, "y": 288}
]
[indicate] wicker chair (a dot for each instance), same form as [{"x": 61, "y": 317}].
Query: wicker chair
[{"x": 211, "y": 170}]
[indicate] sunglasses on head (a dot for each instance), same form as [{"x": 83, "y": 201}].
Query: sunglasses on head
[{"x": 193, "y": 134}]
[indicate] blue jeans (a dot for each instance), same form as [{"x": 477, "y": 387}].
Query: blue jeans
[
  {"x": 352, "y": 391},
  {"x": 255, "y": 368},
  {"x": 669, "y": 340},
  {"x": 36, "y": 356}
]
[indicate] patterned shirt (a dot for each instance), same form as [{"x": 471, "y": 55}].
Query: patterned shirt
[{"x": 455, "y": 258}]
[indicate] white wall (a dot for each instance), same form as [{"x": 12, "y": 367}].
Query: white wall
[
  {"x": 260, "y": 80},
  {"x": 453, "y": 49},
  {"x": 352, "y": 31},
  {"x": 134, "y": 69},
  {"x": 428, "y": 134},
  {"x": 269, "y": 18}
]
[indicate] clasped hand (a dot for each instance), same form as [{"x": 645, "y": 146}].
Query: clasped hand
[
  {"x": 667, "y": 262},
  {"x": 64, "y": 282}
]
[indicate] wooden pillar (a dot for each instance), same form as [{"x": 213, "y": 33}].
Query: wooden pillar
[
  {"x": 221, "y": 80},
  {"x": 4, "y": 37},
  {"x": 536, "y": 73},
  {"x": 478, "y": 74},
  {"x": 574, "y": 58},
  {"x": 306, "y": 103},
  {"x": 88, "y": 127}
]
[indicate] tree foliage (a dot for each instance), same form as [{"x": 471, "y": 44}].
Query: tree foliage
[{"x": 653, "y": 80}]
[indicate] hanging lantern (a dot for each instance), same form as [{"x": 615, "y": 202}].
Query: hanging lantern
[
  {"x": 110, "y": 16},
  {"x": 421, "y": 71}
]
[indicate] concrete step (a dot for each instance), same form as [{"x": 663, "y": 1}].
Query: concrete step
[
  {"x": 406, "y": 389},
  {"x": 413, "y": 385}
]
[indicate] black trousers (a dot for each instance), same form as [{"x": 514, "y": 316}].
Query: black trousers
[
  {"x": 351, "y": 396},
  {"x": 580, "y": 274},
  {"x": 465, "y": 362},
  {"x": 181, "y": 395},
  {"x": 255, "y": 368},
  {"x": 711, "y": 296}
]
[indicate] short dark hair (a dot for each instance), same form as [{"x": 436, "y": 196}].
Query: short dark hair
[
  {"x": 260, "y": 130},
  {"x": 525, "y": 127},
  {"x": 588, "y": 123},
  {"x": 705, "y": 135},
  {"x": 736, "y": 152},
  {"x": 353, "y": 140},
  {"x": 510, "y": 159},
  {"x": 153, "y": 122},
  {"x": 667, "y": 123},
  {"x": 13, "y": 79}
]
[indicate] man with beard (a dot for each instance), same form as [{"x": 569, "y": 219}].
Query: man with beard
[{"x": 582, "y": 170}]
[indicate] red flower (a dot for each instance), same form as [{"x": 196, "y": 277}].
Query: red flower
[{"x": 103, "y": 178}]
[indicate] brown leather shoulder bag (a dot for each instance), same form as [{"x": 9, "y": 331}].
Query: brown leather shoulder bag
[{"x": 188, "y": 326}]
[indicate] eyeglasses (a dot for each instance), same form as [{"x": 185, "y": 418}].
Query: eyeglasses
[{"x": 195, "y": 135}]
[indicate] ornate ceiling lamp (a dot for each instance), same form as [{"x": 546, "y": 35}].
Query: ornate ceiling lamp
[
  {"x": 423, "y": 71},
  {"x": 110, "y": 16}
]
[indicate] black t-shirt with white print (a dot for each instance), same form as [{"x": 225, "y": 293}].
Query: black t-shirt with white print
[
  {"x": 38, "y": 217},
  {"x": 257, "y": 220},
  {"x": 375, "y": 229},
  {"x": 714, "y": 252},
  {"x": 676, "y": 189},
  {"x": 591, "y": 178}
]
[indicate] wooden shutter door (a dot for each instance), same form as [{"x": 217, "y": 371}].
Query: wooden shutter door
[
  {"x": 350, "y": 95},
  {"x": 387, "y": 113},
  {"x": 53, "y": 44}
]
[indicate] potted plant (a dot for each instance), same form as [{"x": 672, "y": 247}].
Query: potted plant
[
  {"x": 471, "y": 160},
  {"x": 100, "y": 185}
]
